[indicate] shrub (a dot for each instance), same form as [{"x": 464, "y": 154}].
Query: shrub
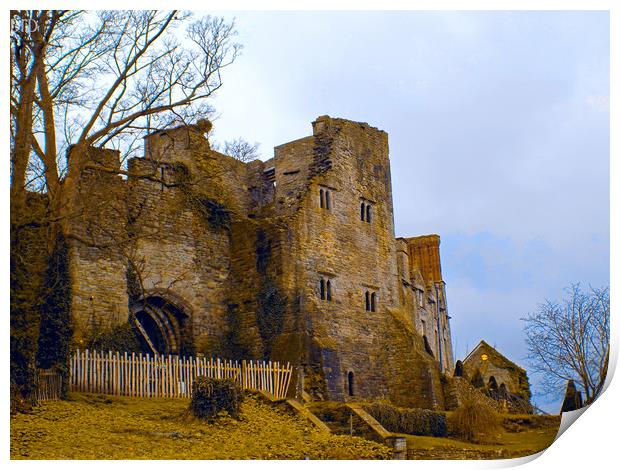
[
  {"x": 424, "y": 422},
  {"x": 409, "y": 420},
  {"x": 211, "y": 397},
  {"x": 121, "y": 337},
  {"x": 475, "y": 420},
  {"x": 387, "y": 414},
  {"x": 458, "y": 369},
  {"x": 18, "y": 403}
]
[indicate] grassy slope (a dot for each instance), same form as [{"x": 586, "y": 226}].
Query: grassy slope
[
  {"x": 509, "y": 445},
  {"x": 522, "y": 435},
  {"x": 102, "y": 427}
]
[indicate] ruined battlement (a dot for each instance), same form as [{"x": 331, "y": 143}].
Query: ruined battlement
[
  {"x": 325, "y": 122},
  {"x": 163, "y": 144}
]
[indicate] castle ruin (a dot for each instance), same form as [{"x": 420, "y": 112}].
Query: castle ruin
[{"x": 293, "y": 259}]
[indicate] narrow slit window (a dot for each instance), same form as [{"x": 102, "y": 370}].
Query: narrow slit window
[
  {"x": 328, "y": 202},
  {"x": 363, "y": 211},
  {"x": 322, "y": 198},
  {"x": 329, "y": 290},
  {"x": 367, "y": 301},
  {"x": 350, "y": 379},
  {"x": 322, "y": 289},
  {"x": 368, "y": 213},
  {"x": 373, "y": 302}
]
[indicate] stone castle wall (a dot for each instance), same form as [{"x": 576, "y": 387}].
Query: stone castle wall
[
  {"x": 294, "y": 258},
  {"x": 97, "y": 267}
]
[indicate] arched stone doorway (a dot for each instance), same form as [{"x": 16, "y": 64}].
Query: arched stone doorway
[{"x": 163, "y": 324}]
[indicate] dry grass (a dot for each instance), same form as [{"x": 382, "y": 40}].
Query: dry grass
[
  {"x": 103, "y": 427},
  {"x": 474, "y": 420},
  {"x": 523, "y": 435},
  {"x": 408, "y": 420}
]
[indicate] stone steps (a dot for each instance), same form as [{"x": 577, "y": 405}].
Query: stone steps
[{"x": 302, "y": 411}]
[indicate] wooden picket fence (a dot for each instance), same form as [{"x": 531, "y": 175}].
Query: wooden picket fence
[
  {"x": 144, "y": 375},
  {"x": 48, "y": 386}
]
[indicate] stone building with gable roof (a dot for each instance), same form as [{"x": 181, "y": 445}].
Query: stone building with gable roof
[{"x": 497, "y": 371}]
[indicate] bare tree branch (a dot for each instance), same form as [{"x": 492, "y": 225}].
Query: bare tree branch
[{"x": 570, "y": 341}]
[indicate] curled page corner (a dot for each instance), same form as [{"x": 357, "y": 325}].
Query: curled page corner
[
  {"x": 568, "y": 418},
  {"x": 516, "y": 462}
]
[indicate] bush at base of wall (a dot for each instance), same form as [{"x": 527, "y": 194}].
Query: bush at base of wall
[
  {"x": 213, "y": 396},
  {"x": 409, "y": 420},
  {"x": 116, "y": 338}
]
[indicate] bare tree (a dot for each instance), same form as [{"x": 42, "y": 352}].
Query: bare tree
[
  {"x": 241, "y": 149},
  {"x": 93, "y": 79},
  {"x": 570, "y": 341},
  {"x": 85, "y": 79}
]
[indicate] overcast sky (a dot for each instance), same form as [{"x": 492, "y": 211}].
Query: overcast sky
[{"x": 498, "y": 126}]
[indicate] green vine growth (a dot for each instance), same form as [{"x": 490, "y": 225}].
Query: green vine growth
[
  {"x": 211, "y": 211},
  {"x": 270, "y": 314},
  {"x": 56, "y": 326}
]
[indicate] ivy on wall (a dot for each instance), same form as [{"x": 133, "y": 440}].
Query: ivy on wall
[
  {"x": 214, "y": 213},
  {"x": 263, "y": 251},
  {"x": 56, "y": 327},
  {"x": 28, "y": 264},
  {"x": 211, "y": 211},
  {"x": 270, "y": 314},
  {"x": 234, "y": 347},
  {"x": 134, "y": 288}
]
